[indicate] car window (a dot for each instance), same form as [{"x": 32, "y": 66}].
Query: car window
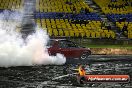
[
  {"x": 50, "y": 43},
  {"x": 67, "y": 44},
  {"x": 63, "y": 44},
  {"x": 71, "y": 44}
]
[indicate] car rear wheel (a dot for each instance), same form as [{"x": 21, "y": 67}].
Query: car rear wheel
[{"x": 84, "y": 56}]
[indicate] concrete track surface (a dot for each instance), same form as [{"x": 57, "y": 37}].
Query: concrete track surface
[{"x": 64, "y": 76}]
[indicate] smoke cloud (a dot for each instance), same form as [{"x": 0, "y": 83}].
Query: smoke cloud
[{"x": 14, "y": 51}]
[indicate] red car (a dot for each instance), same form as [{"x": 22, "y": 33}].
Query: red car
[{"x": 68, "y": 48}]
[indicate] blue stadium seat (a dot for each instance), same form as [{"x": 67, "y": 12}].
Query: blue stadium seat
[{"x": 55, "y": 15}]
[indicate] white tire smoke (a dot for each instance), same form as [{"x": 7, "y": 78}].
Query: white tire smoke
[{"x": 14, "y": 51}]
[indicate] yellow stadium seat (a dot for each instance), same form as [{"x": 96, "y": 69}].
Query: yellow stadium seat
[
  {"x": 61, "y": 32},
  {"x": 55, "y": 32},
  {"x": 88, "y": 34},
  {"x": 66, "y": 32},
  {"x": 93, "y": 34},
  {"x": 82, "y": 33},
  {"x": 54, "y": 26},
  {"x": 76, "y": 33},
  {"x": 50, "y": 32},
  {"x": 64, "y": 26},
  {"x": 97, "y": 34},
  {"x": 71, "y": 33},
  {"x": 59, "y": 26},
  {"x": 113, "y": 35},
  {"x": 106, "y": 31},
  {"x": 103, "y": 35},
  {"x": 47, "y": 20}
]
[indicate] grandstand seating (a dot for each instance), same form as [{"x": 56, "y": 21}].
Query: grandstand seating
[
  {"x": 61, "y": 6},
  {"x": 127, "y": 32},
  {"x": 118, "y": 7},
  {"x": 119, "y": 17},
  {"x": 64, "y": 27},
  {"x": 11, "y": 4},
  {"x": 119, "y": 12},
  {"x": 59, "y": 19},
  {"x": 55, "y": 15}
]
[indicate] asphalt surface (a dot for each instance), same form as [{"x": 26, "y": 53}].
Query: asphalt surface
[{"x": 64, "y": 76}]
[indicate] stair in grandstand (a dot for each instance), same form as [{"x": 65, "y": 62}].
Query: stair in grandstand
[
  {"x": 28, "y": 23},
  {"x": 98, "y": 10}
]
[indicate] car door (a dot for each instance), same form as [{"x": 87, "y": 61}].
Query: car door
[
  {"x": 64, "y": 49},
  {"x": 52, "y": 47},
  {"x": 74, "y": 50}
]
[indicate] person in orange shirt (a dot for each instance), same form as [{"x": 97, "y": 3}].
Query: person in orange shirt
[
  {"x": 82, "y": 70},
  {"x": 81, "y": 75}
]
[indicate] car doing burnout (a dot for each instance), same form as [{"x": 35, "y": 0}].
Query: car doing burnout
[{"x": 68, "y": 48}]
